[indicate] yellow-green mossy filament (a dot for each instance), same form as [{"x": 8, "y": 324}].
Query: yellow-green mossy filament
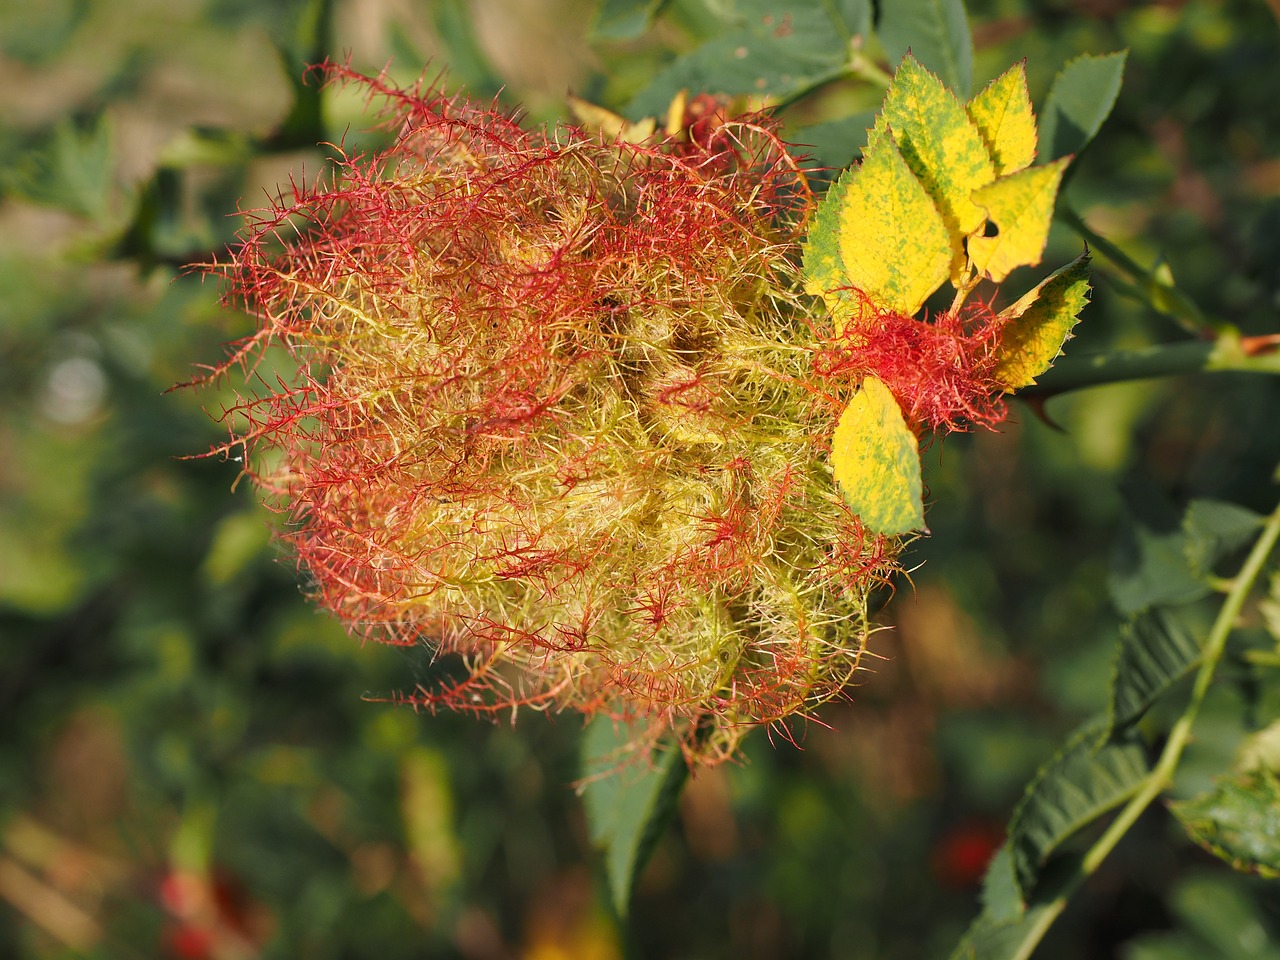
[{"x": 555, "y": 411}]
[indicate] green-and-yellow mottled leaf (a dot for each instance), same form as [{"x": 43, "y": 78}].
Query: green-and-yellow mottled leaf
[
  {"x": 940, "y": 144},
  {"x": 1002, "y": 113},
  {"x": 876, "y": 462},
  {"x": 1040, "y": 323},
  {"x": 1021, "y": 207},
  {"x": 894, "y": 244},
  {"x": 824, "y": 273}
]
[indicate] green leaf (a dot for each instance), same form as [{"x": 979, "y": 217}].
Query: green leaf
[
  {"x": 1155, "y": 652},
  {"x": 1238, "y": 821},
  {"x": 1085, "y": 779},
  {"x": 623, "y": 19},
  {"x": 627, "y": 807},
  {"x": 854, "y": 16},
  {"x": 1001, "y": 899},
  {"x": 1021, "y": 207},
  {"x": 1002, "y": 113},
  {"x": 74, "y": 171},
  {"x": 775, "y": 48},
  {"x": 940, "y": 144},
  {"x": 937, "y": 34},
  {"x": 1079, "y": 101},
  {"x": 876, "y": 462},
  {"x": 1149, "y": 567},
  {"x": 1215, "y": 530},
  {"x": 834, "y": 144},
  {"x": 894, "y": 244},
  {"x": 1040, "y": 322}
]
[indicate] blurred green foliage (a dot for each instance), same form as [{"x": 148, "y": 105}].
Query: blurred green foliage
[{"x": 195, "y": 763}]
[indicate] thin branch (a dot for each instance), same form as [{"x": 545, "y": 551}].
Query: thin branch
[{"x": 1161, "y": 775}]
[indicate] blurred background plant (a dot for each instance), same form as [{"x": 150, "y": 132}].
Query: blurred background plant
[{"x": 190, "y": 764}]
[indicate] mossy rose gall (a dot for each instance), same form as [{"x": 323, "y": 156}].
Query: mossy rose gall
[{"x": 555, "y": 411}]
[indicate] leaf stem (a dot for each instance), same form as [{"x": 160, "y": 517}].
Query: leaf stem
[
  {"x": 863, "y": 67},
  {"x": 1153, "y": 285},
  {"x": 1263, "y": 658},
  {"x": 1161, "y": 775}
]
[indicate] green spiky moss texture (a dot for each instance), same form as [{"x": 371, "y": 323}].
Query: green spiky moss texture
[{"x": 556, "y": 414}]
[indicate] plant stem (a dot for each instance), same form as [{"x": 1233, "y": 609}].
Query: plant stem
[
  {"x": 1161, "y": 775},
  {"x": 1092, "y": 369},
  {"x": 1229, "y": 352}
]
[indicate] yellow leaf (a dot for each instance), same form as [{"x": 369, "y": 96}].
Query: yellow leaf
[
  {"x": 614, "y": 127},
  {"x": 1021, "y": 207},
  {"x": 893, "y": 242},
  {"x": 1040, "y": 323},
  {"x": 876, "y": 462},
  {"x": 1002, "y": 114},
  {"x": 940, "y": 144},
  {"x": 675, "y": 113}
]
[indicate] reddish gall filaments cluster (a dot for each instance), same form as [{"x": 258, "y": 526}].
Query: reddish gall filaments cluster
[
  {"x": 555, "y": 411},
  {"x": 941, "y": 370}
]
